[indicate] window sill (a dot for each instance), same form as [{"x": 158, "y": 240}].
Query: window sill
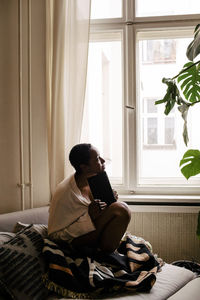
[{"x": 162, "y": 203}]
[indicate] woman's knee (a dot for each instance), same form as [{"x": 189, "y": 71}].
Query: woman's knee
[
  {"x": 117, "y": 210},
  {"x": 121, "y": 209}
]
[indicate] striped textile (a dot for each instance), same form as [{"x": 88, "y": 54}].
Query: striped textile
[{"x": 89, "y": 274}]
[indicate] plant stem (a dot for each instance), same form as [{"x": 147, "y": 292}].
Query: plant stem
[
  {"x": 192, "y": 103},
  {"x": 182, "y": 71}
]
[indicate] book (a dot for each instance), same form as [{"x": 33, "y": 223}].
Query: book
[{"x": 101, "y": 188}]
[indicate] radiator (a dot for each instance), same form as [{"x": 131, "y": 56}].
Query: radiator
[{"x": 172, "y": 235}]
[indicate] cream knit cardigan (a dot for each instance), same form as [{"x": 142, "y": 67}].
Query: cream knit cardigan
[{"x": 69, "y": 209}]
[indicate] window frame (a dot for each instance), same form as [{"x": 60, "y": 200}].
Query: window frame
[{"x": 130, "y": 25}]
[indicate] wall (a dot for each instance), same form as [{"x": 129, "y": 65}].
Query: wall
[{"x": 23, "y": 139}]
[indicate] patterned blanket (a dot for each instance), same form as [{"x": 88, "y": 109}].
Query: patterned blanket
[{"x": 92, "y": 274}]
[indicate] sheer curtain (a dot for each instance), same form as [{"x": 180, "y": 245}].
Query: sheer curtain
[{"x": 67, "y": 39}]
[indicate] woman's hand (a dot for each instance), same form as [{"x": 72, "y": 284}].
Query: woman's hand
[
  {"x": 102, "y": 205},
  {"x": 95, "y": 208},
  {"x": 115, "y": 194}
]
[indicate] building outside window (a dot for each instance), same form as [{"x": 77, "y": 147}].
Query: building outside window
[
  {"x": 158, "y": 129},
  {"x": 132, "y": 47}
]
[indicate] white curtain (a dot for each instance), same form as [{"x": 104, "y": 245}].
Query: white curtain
[{"x": 67, "y": 39}]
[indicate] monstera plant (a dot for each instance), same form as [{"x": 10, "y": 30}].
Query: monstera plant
[{"x": 183, "y": 90}]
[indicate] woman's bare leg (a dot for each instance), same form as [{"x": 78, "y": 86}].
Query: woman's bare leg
[
  {"x": 110, "y": 228},
  {"x": 112, "y": 225}
]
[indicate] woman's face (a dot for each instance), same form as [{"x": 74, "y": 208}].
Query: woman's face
[{"x": 96, "y": 163}]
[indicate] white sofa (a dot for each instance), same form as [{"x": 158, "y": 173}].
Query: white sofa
[{"x": 172, "y": 282}]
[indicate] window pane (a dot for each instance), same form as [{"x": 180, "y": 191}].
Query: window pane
[
  {"x": 151, "y": 107},
  {"x": 156, "y": 51},
  {"x": 103, "y": 9},
  {"x": 152, "y": 130},
  {"x": 102, "y": 124},
  {"x": 145, "y": 8},
  {"x": 161, "y": 146},
  {"x": 169, "y": 130}
]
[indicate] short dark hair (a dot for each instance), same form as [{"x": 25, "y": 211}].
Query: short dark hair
[{"x": 80, "y": 154}]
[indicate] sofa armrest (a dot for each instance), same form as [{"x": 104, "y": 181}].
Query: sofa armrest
[
  {"x": 29, "y": 216},
  {"x": 190, "y": 291}
]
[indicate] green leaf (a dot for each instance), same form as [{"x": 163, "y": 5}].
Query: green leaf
[
  {"x": 190, "y": 163},
  {"x": 172, "y": 95},
  {"x": 198, "y": 226},
  {"x": 185, "y": 82},
  {"x": 194, "y": 47},
  {"x": 190, "y": 78},
  {"x": 160, "y": 101}
]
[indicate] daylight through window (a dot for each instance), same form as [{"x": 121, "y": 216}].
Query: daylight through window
[{"x": 133, "y": 45}]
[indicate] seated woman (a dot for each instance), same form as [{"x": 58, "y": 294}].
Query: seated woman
[{"x": 77, "y": 218}]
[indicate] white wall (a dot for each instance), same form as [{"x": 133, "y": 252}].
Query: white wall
[{"x": 23, "y": 139}]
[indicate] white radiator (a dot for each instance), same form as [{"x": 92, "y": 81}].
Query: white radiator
[{"x": 172, "y": 234}]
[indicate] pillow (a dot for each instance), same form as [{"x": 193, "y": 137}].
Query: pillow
[
  {"x": 5, "y": 237},
  {"x": 22, "y": 265},
  {"x": 41, "y": 228}
]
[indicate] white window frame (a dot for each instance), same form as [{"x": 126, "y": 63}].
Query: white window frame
[{"x": 130, "y": 25}]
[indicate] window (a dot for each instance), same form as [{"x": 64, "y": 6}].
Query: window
[
  {"x": 129, "y": 54},
  {"x": 103, "y": 105},
  {"x": 159, "y": 51},
  {"x": 145, "y": 8},
  {"x": 160, "y": 144},
  {"x": 105, "y": 9}
]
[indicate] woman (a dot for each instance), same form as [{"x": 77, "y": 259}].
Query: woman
[{"x": 77, "y": 218}]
